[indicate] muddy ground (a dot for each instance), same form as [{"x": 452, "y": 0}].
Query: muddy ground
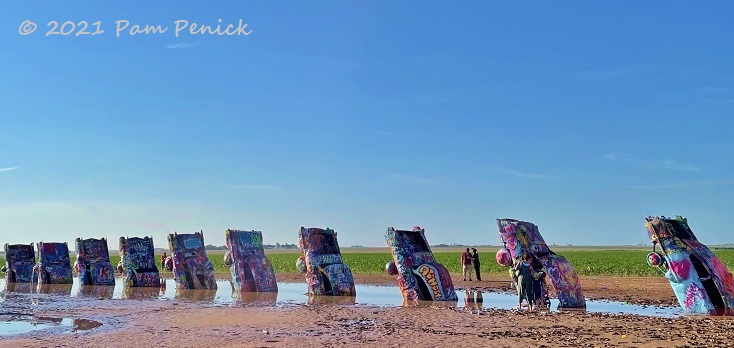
[{"x": 185, "y": 324}]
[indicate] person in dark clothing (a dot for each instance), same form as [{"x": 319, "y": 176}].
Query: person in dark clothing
[
  {"x": 475, "y": 257},
  {"x": 524, "y": 273},
  {"x": 539, "y": 284}
]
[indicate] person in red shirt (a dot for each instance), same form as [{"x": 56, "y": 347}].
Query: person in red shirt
[
  {"x": 163, "y": 260},
  {"x": 466, "y": 260}
]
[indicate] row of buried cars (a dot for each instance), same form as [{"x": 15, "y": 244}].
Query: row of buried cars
[{"x": 699, "y": 279}]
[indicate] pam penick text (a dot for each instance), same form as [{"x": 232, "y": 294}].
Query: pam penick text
[{"x": 123, "y": 27}]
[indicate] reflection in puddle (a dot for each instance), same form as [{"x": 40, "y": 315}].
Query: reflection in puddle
[
  {"x": 97, "y": 292},
  {"x": 129, "y": 293},
  {"x": 54, "y": 289},
  {"x": 332, "y": 300},
  {"x": 295, "y": 294},
  {"x": 196, "y": 295},
  {"x": 260, "y": 299},
  {"x": 15, "y": 325}
]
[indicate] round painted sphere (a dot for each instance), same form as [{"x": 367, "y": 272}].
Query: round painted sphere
[
  {"x": 504, "y": 258},
  {"x": 78, "y": 267},
  {"x": 391, "y": 269},
  {"x": 169, "y": 264},
  {"x": 301, "y": 264},
  {"x": 227, "y": 259},
  {"x": 654, "y": 259}
]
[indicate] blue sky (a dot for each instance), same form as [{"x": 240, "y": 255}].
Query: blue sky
[{"x": 582, "y": 117}]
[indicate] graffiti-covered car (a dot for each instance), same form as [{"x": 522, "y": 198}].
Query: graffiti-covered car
[
  {"x": 191, "y": 267},
  {"x": 54, "y": 265},
  {"x": 699, "y": 279},
  {"x": 251, "y": 269},
  {"x": 19, "y": 262},
  {"x": 521, "y": 237},
  {"x": 321, "y": 262},
  {"x": 419, "y": 275},
  {"x": 137, "y": 261},
  {"x": 92, "y": 263}
]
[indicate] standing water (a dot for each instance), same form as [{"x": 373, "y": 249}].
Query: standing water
[{"x": 290, "y": 294}]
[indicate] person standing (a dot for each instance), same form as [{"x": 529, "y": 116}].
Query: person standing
[
  {"x": 466, "y": 263},
  {"x": 524, "y": 273},
  {"x": 475, "y": 257},
  {"x": 163, "y": 260}
]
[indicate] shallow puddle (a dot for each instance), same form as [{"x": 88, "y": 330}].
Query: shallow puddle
[
  {"x": 20, "y": 324},
  {"x": 295, "y": 294}
]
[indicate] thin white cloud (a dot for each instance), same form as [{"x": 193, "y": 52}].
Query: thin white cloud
[
  {"x": 413, "y": 180},
  {"x": 8, "y": 169},
  {"x": 673, "y": 165},
  {"x": 261, "y": 187},
  {"x": 719, "y": 101},
  {"x": 713, "y": 89},
  {"x": 183, "y": 45},
  {"x": 622, "y": 70},
  {"x": 689, "y": 184},
  {"x": 654, "y": 164},
  {"x": 537, "y": 176}
]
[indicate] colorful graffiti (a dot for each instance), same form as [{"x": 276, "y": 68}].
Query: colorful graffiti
[
  {"x": 191, "y": 269},
  {"x": 419, "y": 275},
  {"x": 137, "y": 262},
  {"x": 92, "y": 263},
  {"x": 700, "y": 281},
  {"x": 19, "y": 262},
  {"x": 321, "y": 261},
  {"x": 251, "y": 269},
  {"x": 54, "y": 266},
  {"x": 519, "y": 238}
]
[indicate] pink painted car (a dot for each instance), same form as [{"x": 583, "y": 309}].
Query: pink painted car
[
  {"x": 520, "y": 237},
  {"x": 701, "y": 282}
]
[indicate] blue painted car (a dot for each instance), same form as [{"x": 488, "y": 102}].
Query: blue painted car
[{"x": 701, "y": 282}]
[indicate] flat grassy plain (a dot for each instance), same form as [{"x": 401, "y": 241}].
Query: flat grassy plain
[{"x": 590, "y": 261}]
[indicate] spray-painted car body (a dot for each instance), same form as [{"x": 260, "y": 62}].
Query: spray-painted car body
[
  {"x": 54, "y": 265},
  {"x": 251, "y": 269},
  {"x": 419, "y": 275},
  {"x": 192, "y": 269},
  {"x": 699, "y": 279},
  {"x": 92, "y": 263},
  {"x": 19, "y": 262},
  {"x": 137, "y": 258},
  {"x": 520, "y": 237},
  {"x": 321, "y": 261}
]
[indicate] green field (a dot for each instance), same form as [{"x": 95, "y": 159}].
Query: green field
[{"x": 597, "y": 262}]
